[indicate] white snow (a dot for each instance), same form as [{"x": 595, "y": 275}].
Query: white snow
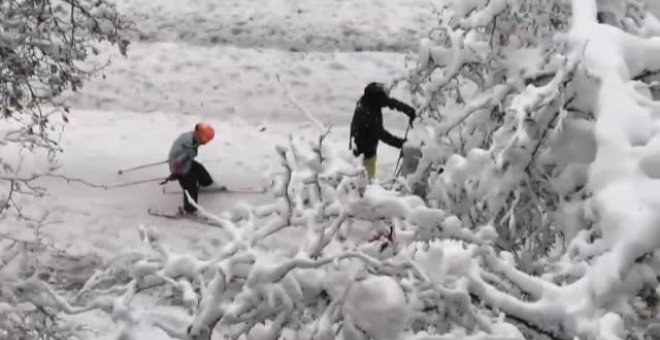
[
  {"x": 234, "y": 83},
  {"x": 269, "y": 73},
  {"x": 393, "y": 25}
]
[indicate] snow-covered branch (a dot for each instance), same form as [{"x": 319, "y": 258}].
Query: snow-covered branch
[
  {"x": 42, "y": 45},
  {"x": 298, "y": 267},
  {"x": 548, "y": 138}
]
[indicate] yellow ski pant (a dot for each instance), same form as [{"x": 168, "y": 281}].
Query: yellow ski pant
[{"x": 370, "y": 165}]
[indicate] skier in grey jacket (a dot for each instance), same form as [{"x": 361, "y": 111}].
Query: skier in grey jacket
[{"x": 183, "y": 167}]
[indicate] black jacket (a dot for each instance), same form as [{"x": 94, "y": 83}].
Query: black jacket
[{"x": 367, "y": 124}]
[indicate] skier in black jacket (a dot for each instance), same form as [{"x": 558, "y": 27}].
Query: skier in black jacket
[{"x": 367, "y": 124}]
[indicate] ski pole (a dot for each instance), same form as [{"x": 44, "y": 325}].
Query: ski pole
[
  {"x": 141, "y": 167},
  {"x": 396, "y": 168},
  {"x": 134, "y": 183}
]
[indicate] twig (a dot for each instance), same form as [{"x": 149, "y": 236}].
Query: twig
[
  {"x": 76, "y": 180},
  {"x": 528, "y": 324},
  {"x": 496, "y": 93},
  {"x": 299, "y": 106}
]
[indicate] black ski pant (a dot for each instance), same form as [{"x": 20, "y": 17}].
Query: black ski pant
[{"x": 190, "y": 182}]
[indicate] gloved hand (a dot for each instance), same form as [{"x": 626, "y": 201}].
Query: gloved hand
[
  {"x": 411, "y": 113},
  {"x": 171, "y": 177},
  {"x": 412, "y": 119}
]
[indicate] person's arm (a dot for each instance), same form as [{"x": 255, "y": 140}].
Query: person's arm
[
  {"x": 181, "y": 156},
  {"x": 390, "y": 139},
  {"x": 178, "y": 163},
  {"x": 358, "y": 123},
  {"x": 187, "y": 156},
  {"x": 401, "y": 107}
]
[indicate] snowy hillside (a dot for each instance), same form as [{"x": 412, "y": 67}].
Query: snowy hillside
[{"x": 335, "y": 25}]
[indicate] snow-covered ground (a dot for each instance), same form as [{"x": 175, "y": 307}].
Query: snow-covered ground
[
  {"x": 228, "y": 82},
  {"x": 381, "y": 25}
]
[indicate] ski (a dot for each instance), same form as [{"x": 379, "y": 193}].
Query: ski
[
  {"x": 243, "y": 190},
  {"x": 179, "y": 216},
  {"x": 174, "y": 216}
]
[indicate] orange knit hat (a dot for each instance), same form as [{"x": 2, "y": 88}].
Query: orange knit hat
[{"x": 204, "y": 133}]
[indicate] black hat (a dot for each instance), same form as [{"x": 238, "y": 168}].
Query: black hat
[{"x": 377, "y": 89}]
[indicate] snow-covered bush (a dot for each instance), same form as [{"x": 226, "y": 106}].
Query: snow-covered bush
[
  {"x": 540, "y": 126},
  {"x": 38, "y": 257},
  {"x": 43, "y": 45},
  {"x": 331, "y": 257},
  {"x": 511, "y": 100},
  {"x": 497, "y": 88}
]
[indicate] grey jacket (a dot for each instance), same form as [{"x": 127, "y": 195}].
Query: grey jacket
[{"x": 182, "y": 153}]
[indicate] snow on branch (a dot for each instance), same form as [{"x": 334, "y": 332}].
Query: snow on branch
[
  {"x": 307, "y": 266},
  {"x": 43, "y": 47},
  {"x": 548, "y": 139}
]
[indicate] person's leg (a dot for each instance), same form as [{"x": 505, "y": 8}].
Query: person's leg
[
  {"x": 370, "y": 165},
  {"x": 203, "y": 177},
  {"x": 188, "y": 183},
  {"x": 191, "y": 181}
]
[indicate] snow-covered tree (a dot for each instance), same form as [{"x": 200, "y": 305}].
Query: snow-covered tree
[
  {"x": 43, "y": 44},
  {"x": 542, "y": 121},
  {"x": 496, "y": 85},
  {"x": 511, "y": 101}
]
